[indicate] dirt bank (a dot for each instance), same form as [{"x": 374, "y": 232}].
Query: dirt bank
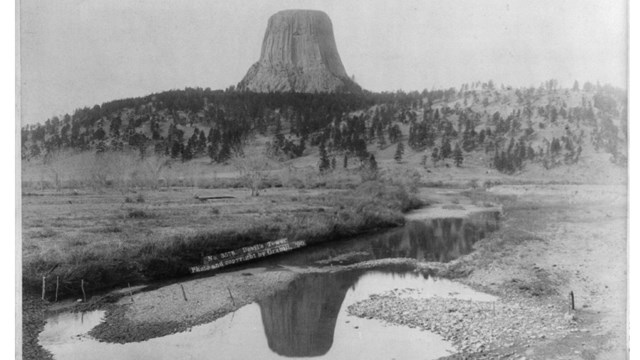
[
  {"x": 33, "y": 311},
  {"x": 169, "y": 309},
  {"x": 554, "y": 239}
]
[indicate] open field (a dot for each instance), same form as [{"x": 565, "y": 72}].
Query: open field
[
  {"x": 115, "y": 236},
  {"x": 558, "y": 236},
  {"x": 553, "y": 239},
  {"x": 126, "y": 225},
  {"x": 110, "y": 239}
]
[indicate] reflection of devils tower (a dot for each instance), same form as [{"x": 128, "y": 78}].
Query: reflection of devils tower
[
  {"x": 299, "y": 54},
  {"x": 300, "y": 321},
  {"x": 437, "y": 240}
]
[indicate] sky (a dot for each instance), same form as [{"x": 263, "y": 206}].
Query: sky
[{"x": 76, "y": 53}]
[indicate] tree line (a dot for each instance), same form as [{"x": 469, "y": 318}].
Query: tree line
[{"x": 195, "y": 122}]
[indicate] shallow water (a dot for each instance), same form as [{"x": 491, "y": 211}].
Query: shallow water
[
  {"x": 309, "y": 319},
  {"x": 441, "y": 240}
]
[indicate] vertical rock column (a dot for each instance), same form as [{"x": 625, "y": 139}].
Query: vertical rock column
[{"x": 299, "y": 53}]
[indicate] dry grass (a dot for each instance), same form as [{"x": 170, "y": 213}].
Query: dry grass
[
  {"x": 124, "y": 172},
  {"x": 107, "y": 241},
  {"x": 115, "y": 218}
]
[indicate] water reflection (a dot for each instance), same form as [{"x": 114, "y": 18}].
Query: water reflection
[
  {"x": 61, "y": 327},
  {"x": 439, "y": 240},
  {"x": 307, "y": 319},
  {"x": 304, "y": 319},
  {"x": 300, "y": 321}
]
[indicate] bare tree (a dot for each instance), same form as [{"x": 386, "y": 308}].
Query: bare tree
[
  {"x": 154, "y": 165},
  {"x": 49, "y": 160},
  {"x": 253, "y": 170},
  {"x": 108, "y": 169}
]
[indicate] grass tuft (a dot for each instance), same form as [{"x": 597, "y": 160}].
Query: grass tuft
[
  {"x": 45, "y": 233},
  {"x": 107, "y": 229},
  {"x": 138, "y": 214}
]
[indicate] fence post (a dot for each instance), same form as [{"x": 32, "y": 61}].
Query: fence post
[
  {"x": 43, "y": 286},
  {"x": 57, "y": 284},
  {"x": 184, "y": 294},
  {"x": 130, "y": 293},
  {"x": 84, "y": 295},
  {"x": 232, "y": 299},
  {"x": 573, "y": 305}
]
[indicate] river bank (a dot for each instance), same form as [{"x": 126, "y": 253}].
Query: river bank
[
  {"x": 176, "y": 307},
  {"x": 554, "y": 240},
  {"x": 86, "y": 243}
]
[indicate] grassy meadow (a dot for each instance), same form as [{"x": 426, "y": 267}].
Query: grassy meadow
[
  {"x": 118, "y": 229},
  {"x": 115, "y": 218}
]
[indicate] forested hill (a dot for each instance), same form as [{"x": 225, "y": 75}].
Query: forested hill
[{"x": 548, "y": 124}]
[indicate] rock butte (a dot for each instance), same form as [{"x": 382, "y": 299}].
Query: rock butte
[{"x": 298, "y": 54}]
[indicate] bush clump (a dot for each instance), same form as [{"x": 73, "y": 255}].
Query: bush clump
[{"x": 393, "y": 196}]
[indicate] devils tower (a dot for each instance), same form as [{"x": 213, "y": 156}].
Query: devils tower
[{"x": 298, "y": 54}]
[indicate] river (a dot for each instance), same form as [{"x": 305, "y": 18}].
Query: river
[{"x": 308, "y": 318}]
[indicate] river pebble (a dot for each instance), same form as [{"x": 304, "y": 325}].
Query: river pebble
[{"x": 471, "y": 326}]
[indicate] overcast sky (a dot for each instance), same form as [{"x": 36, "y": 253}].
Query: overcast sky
[{"x": 77, "y": 53}]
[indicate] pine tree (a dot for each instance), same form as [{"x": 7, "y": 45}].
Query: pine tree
[
  {"x": 202, "y": 141},
  {"x": 187, "y": 152},
  {"x": 512, "y": 144},
  {"x": 225, "y": 151},
  {"x": 176, "y": 149},
  {"x": 34, "y": 150},
  {"x": 399, "y": 152},
  {"x": 155, "y": 130},
  {"x": 99, "y": 134},
  {"x": 435, "y": 156},
  {"x": 481, "y": 136},
  {"x": 372, "y": 132},
  {"x": 530, "y": 153},
  {"x": 139, "y": 141},
  {"x": 114, "y": 127},
  {"x": 395, "y": 134},
  {"x": 445, "y": 149},
  {"x": 373, "y": 164},
  {"x": 457, "y": 155},
  {"x": 212, "y": 151},
  {"x": 381, "y": 141},
  {"x": 554, "y": 114},
  {"x": 324, "y": 158},
  {"x": 497, "y": 161}
]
